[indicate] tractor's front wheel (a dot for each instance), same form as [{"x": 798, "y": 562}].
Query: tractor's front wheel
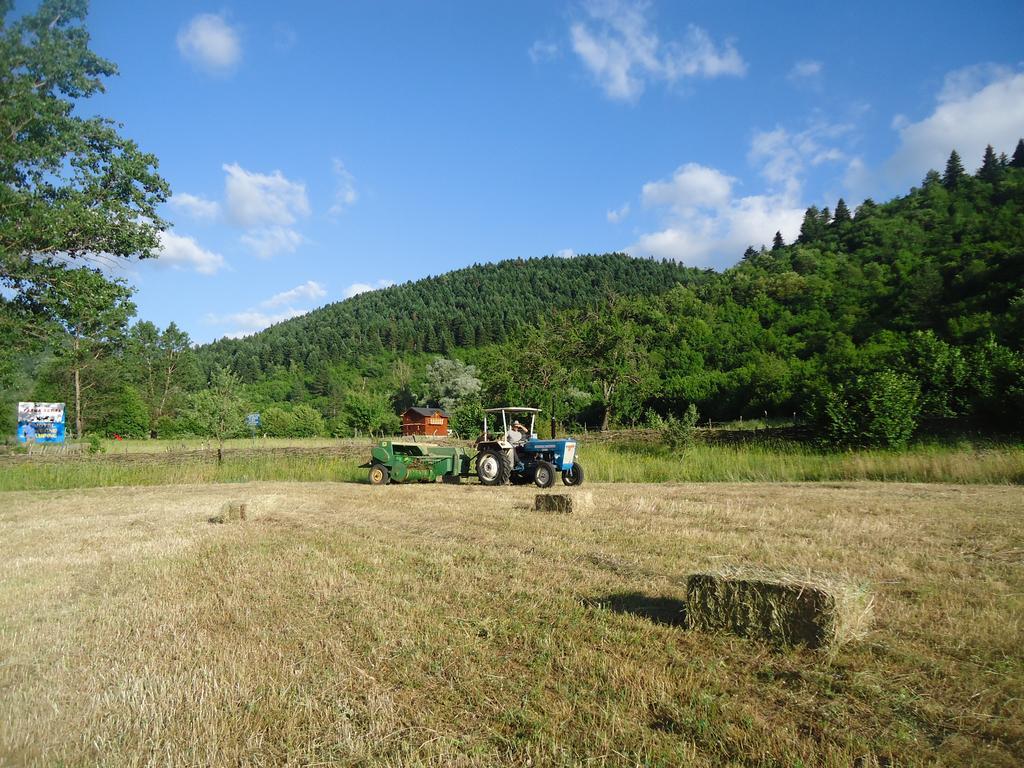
[
  {"x": 493, "y": 468},
  {"x": 544, "y": 475},
  {"x": 573, "y": 475},
  {"x": 379, "y": 475}
]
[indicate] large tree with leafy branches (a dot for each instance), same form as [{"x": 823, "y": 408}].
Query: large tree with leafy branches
[
  {"x": 71, "y": 186},
  {"x": 92, "y": 314}
]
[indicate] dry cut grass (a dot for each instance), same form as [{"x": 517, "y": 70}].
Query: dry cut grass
[{"x": 439, "y": 625}]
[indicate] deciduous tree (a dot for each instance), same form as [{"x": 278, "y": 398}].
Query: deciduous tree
[
  {"x": 70, "y": 185},
  {"x": 218, "y": 411},
  {"x": 91, "y": 314}
]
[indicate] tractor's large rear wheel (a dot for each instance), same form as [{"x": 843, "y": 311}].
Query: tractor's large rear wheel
[
  {"x": 493, "y": 468},
  {"x": 573, "y": 475},
  {"x": 544, "y": 475}
]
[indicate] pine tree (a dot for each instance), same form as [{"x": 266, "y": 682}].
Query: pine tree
[
  {"x": 1018, "y": 155},
  {"x": 811, "y": 227},
  {"x": 954, "y": 171},
  {"x": 778, "y": 242},
  {"x": 842, "y": 212},
  {"x": 989, "y": 170}
]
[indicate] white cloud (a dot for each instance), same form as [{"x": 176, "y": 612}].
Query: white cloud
[
  {"x": 707, "y": 222},
  {"x": 308, "y": 291},
  {"x": 807, "y": 71},
  {"x": 254, "y": 319},
  {"x": 542, "y": 50},
  {"x": 691, "y": 187},
  {"x": 565, "y": 253},
  {"x": 978, "y": 105},
  {"x": 271, "y": 241},
  {"x": 356, "y": 288},
  {"x": 785, "y": 155},
  {"x": 345, "y": 195},
  {"x": 262, "y": 200},
  {"x": 181, "y": 252},
  {"x": 718, "y": 238},
  {"x": 962, "y": 83},
  {"x": 196, "y": 206},
  {"x": 250, "y": 321},
  {"x": 209, "y": 42},
  {"x": 621, "y": 49},
  {"x": 618, "y": 215}
]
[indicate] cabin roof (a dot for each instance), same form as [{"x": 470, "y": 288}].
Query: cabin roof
[{"x": 425, "y": 411}]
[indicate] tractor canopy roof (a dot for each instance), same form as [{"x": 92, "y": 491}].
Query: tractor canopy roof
[{"x": 511, "y": 409}]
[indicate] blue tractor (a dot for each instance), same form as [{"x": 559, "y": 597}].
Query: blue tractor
[{"x": 512, "y": 452}]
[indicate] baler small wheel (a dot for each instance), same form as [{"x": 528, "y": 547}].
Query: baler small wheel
[
  {"x": 573, "y": 475},
  {"x": 544, "y": 475},
  {"x": 379, "y": 475}
]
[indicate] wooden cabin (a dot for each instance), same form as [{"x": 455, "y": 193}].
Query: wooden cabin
[{"x": 425, "y": 421}]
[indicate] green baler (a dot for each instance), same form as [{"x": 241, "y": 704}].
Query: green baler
[{"x": 416, "y": 462}]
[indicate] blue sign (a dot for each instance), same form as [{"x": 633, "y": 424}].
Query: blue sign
[
  {"x": 253, "y": 420},
  {"x": 40, "y": 422}
]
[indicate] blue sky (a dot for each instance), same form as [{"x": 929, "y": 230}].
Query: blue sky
[{"x": 320, "y": 149}]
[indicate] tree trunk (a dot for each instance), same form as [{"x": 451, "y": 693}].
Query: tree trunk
[
  {"x": 609, "y": 390},
  {"x": 78, "y": 403}
]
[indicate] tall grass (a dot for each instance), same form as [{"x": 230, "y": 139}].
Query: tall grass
[
  {"x": 603, "y": 462},
  {"x": 788, "y": 462},
  {"x": 73, "y": 473}
]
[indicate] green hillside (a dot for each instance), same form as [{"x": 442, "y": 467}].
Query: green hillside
[{"x": 472, "y": 307}]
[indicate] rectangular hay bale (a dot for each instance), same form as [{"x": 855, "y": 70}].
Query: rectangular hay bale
[
  {"x": 779, "y": 610},
  {"x": 231, "y": 511},
  {"x": 553, "y": 502}
]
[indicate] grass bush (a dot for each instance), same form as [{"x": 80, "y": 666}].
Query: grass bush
[{"x": 680, "y": 433}]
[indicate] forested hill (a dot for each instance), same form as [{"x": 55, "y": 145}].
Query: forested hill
[
  {"x": 472, "y": 307},
  {"x": 874, "y": 321}
]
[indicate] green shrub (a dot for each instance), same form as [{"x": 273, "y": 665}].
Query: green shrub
[
  {"x": 307, "y": 422},
  {"x": 466, "y": 419},
  {"x": 96, "y": 444},
  {"x": 368, "y": 413},
  {"x": 875, "y": 409},
  {"x": 131, "y": 417},
  {"x": 997, "y": 383},
  {"x": 680, "y": 433},
  {"x": 168, "y": 427},
  {"x": 277, "y": 422}
]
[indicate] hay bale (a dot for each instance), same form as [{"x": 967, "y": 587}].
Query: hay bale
[
  {"x": 777, "y": 609},
  {"x": 565, "y": 503},
  {"x": 231, "y": 511}
]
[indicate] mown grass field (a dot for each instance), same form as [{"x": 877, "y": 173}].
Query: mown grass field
[
  {"x": 435, "y": 625},
  {"x": 161, "y": 463}
]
